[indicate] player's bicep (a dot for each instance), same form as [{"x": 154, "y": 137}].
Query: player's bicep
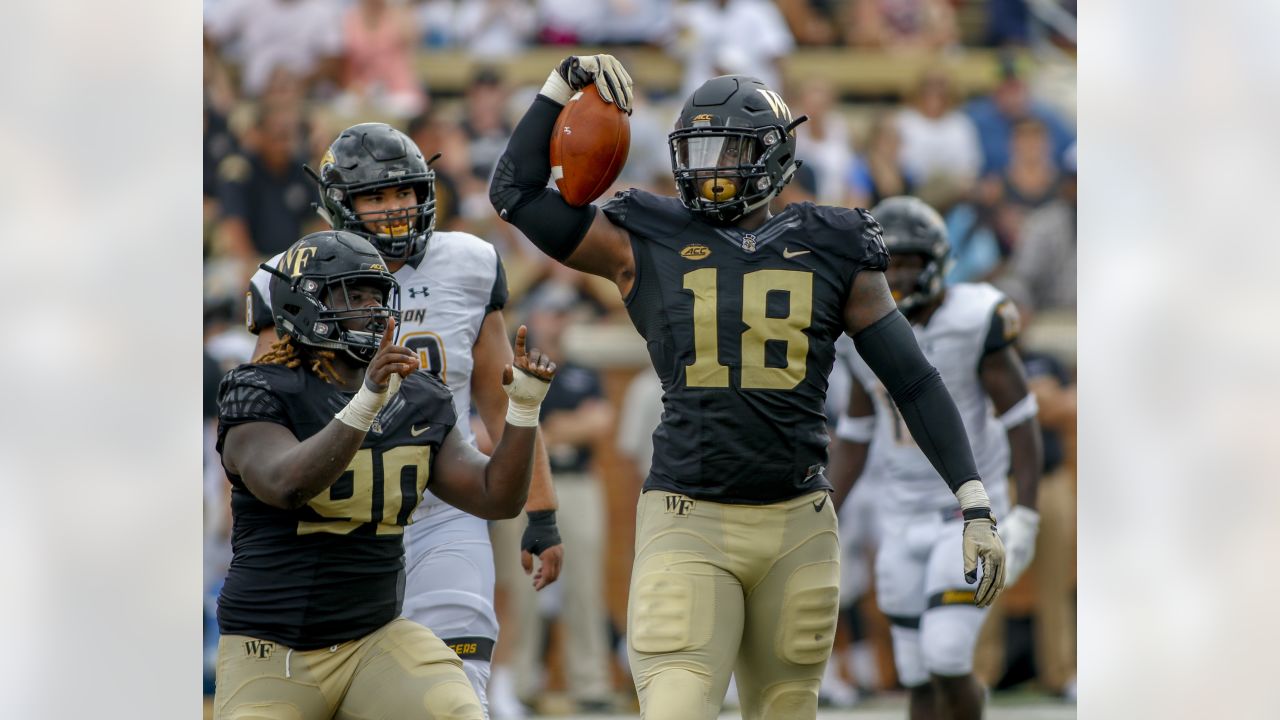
[
  {"x": 251, "y": 450},
  {"x": 869, "y": 301},
  {"x": 605, "y": 251},
  {"x": 457, "y": 475},
  {"x": 1004, "y": 378}
]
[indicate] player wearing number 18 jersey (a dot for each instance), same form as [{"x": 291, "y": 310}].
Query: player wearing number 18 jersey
[
  {"x": 374, "y": 182},
  {"x": 737, "y": 561}
]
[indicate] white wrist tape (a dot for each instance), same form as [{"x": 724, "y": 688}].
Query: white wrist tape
[
  {"x": 1022, "y": 411},
  {"x": 364, "y": 407},
  {"x": 973, "y": 495},
  {"x": 556, "y": 89},
  {"x": 856, "y": 429},
  {"x": 526, "y": 393}
]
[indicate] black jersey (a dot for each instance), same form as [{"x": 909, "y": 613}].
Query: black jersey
[
  {"x": 333, "y": 570},
  {"x": 741, "y": 329}
]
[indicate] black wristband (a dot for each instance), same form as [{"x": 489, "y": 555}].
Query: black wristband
[
  {"x": 541, "y": 532},
  {"x": 979, "y": 513}
]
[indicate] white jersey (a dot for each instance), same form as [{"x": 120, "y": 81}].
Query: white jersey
[
  {"x": 443, "y": 302},
  {"x": 954, "y": 341}
]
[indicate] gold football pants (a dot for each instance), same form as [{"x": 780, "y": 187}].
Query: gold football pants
[
  {"x": 400, "y": 670},
  {"x": 720, "y": 589}
]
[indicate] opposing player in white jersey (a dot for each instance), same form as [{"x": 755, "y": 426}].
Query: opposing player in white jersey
[
  {"x": 375, "y": 182},
  {"x": 967, "y": 332}
]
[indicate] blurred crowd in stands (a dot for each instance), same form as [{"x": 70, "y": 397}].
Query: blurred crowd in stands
[{"x": 994, "y": 152}]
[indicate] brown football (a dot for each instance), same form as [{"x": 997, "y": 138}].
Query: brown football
[{"x": 589, "y": 147}]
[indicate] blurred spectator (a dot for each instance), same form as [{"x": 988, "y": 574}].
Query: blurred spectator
[
  {"x": 937, "y": 138},
  {"x": 485, "y": 122},
  {"x": 378, "y": 74},
  {"x": 265, "y": 196},
  {"x": 975, "y": 250},
  {"x": 723, "y": 37},
  {"x": 647, "y": 168},
  {"x": 814, "y": 22},
  {"x": 896, "y": 24},
  {"x": 575, "y": 416},
  {"x": 823, "y": 141},
  {"x": 1030, "y": 181},
  {"x": 303, "y": 36},
  {"x": 631, "y": 22},
  {"x": 1041, "y": 275},
  {"x": 881, "y": 172},
  {"x": 493, "y": 29},
  {"x": 1011, "y": 101},
  {"x": 562, "y": 23}
]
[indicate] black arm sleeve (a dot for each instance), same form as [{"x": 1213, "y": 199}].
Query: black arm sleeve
[
  {"x": 889, "y": 348},
  {"x": 498, "y": 295},
  {"x": 519, "y": 189}
]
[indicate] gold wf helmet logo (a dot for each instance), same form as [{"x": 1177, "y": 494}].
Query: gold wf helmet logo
[
  {"x": 776, "y": 104},
  {"x": 296, "y": 259},
  {"x": 695, "y": 252}
]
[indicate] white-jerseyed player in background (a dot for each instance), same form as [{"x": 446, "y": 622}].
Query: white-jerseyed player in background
[
  {"x": 375, "y": 182},
  {"x": 967, "y": 332}
]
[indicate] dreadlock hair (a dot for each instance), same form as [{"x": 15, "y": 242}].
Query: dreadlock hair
[{"x": 284, "y": 352}]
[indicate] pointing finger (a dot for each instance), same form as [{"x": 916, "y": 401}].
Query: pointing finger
[{"x": 521, "y": 332}]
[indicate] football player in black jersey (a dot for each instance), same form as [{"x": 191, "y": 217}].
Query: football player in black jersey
[
  {"x": 329, "y": 441},
  {"x": 737, "y": 561}
]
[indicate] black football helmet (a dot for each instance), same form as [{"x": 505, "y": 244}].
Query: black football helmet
[
  {"x": 911, "y": 227},
  {"x": 733, "y": 148},
  {"x": 319, "y": 268},
  {"x": 370, "y": 156}
]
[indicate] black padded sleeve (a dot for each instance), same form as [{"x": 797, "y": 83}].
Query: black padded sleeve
[
  {"x": 519, "y": 189},
  {"x": 889, "y": 348},
  {"x": 498, "y": 295}
]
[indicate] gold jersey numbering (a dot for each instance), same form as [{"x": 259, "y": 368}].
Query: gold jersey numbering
[
  {"x": 348, "y": 513},
  {"x": 708, "y": 371}
]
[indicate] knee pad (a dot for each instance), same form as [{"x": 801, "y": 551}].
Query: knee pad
[
  {"x": 908, "y": 657},
  {"x": 676, "y": 694},
  {"x": 810, "y": 610},
  {"x": 453, "y": 700},
  {"x": 787, "y": 700},
  {"x": 948, "y": 635}
]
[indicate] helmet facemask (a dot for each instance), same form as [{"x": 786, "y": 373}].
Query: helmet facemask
[
  {"x": 409, "y": 228},
  {"x": 725, "y": 172},
  {"x": 323, "y": 312}
]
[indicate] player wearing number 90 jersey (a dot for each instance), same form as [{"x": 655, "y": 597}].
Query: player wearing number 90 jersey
[
  {"x": 374, "y": 182},
  {"x": 737, "y": 561},
  {"x": 329, "y": 441}
]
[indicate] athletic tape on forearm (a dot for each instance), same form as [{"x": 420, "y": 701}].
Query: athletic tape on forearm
[
  {"x": 856, "y": 429},
  {"x": 364, "y": 407},
  {"x": 973, "y": 494},
  {"x": 556, "y": 89},
  {"x": 519, "y": 191},
  {"x": 889, "y": 348},
  {"x": 1022, "y": 411}
]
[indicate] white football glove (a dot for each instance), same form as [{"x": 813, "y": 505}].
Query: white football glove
[
  {"x": 612, "y": 81},
  {"x": 1020, "y": 529},
  {"x": 981, "y": 542}
]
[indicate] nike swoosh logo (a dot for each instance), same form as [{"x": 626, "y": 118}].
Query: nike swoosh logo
[
  {"x": 819, "y": 504},
  {"x": 416, "y": 432},
  {"x": 788, "y": 254}
]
